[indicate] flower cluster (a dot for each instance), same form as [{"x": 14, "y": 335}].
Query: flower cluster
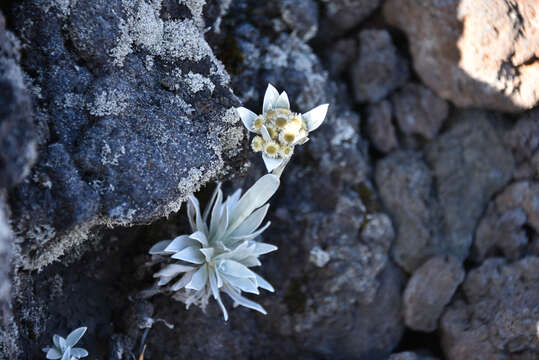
[
  {"x": 278, "y": 129},
  {"x": 218, "y": 253},
  {"x": 64, "y": 348}
]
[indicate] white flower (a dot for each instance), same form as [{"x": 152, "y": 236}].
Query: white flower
[
  {"x": 278, "y": 124},
  {"x": 218, "y": 254},
  {"x": 64, "y": 348}
]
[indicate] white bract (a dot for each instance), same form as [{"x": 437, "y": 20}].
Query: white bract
[
  {"x": 279, "y": 129},
  {"x": 64, "y": 348},
  {"x": 217, "y": 256}
]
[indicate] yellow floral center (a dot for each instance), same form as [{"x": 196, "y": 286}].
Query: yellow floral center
[
  {"x": 259, "y": 121},
  {"x": 281, "y": 121},
  {"x": 289, "y": 137},
  {"x": 271, "y": 149},
  {"x": 257, "y": 144},
  {"x": 286, "y": 151}
]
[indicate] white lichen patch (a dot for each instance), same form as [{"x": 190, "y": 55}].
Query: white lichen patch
[
  {"x": 319, "y": 257},
  {"x": 196, "y": 7},
  {"x": 41, "y": 234},
  {"x": 198, "y": 82},
  {"x": 112, "y": 102},
  {"x": 110, "y": 158}
]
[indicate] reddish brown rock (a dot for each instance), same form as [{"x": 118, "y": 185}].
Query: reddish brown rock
[{"x": 476, "y": 53}]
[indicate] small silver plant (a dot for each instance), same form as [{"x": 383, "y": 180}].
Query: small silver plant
[
  {"x": 218, "y": 254},
  {"x": 278, "y": 129},
  {"x": 65, "y": 349}
]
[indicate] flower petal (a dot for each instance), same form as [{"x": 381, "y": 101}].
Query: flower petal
[
  {"x": 190, "y": 254},
  {"x": 240, "y": 300},
  {"x": 199, "y": 279},
  {"x": 247, "y": 117},
  {"x": 314, "y": 118},
  {"x": 235, "y": 269},
  {"x": 270, "y": 97},
  {"x": 282, "y": 101},
  {"x": 216, "y": 295},
  {"x": 254, "y": 198},
  {"x": 75, "y": 336},
  {"x": 271, "y": 163}
]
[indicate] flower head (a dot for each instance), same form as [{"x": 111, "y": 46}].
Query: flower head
[
  {"x": 217, "y": 255},
  {"x": 278, "y": 124},
  {"x": 64, "y": 348}
]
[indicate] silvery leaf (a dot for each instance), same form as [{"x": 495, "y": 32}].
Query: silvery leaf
[
  {"x": 62, "y": 343},
  {"x": 79, "y": 352},
  {"x": 252, "y": 235},
  {"x": 212, "y": 201},
  {"x": 216, "y": 212},
  {"x": 271, "y": 163},
  {"x": 282, "y": 101},
  {"x": 251, "y": 261},
  {"x": 157, "y": 249},
  {"x": 53, "y": 354},
  {"x": 200, "y": 237},
  {"x": 183, "y": 281},
  {"x": 234, "y": 268},
  {"x": 199, "y": 221},
  {"x": 243, "y": 301},
  {"x": 247, "y": 117},
  {"x": 67, "y": 354},
  {"x": 208, "y": 253},
  {"x": 56, "y": 341},
  {"x": 263, "y": 283},
  {"x": 232, "y": 200},
  {"x": 265, "y": 133},
  {"x": 179, "y": 243},
  {"x": 270, "y": 97},
  {"x": 190, "y": 254},
  {"x": 244, "y": 284},
  {"x": 199, "y": 280},
  {"x": 173, "y": 270},
  {"x": 254, "y": 198},
  {"x": 263, "y": 248},
  {"x": 252, "y": 222},
  {"x": 314, "y": 118},
  {"x": 75, "y": 336},
  {"x": 216, "y": 295}
]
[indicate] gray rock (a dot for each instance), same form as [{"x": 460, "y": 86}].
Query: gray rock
[
  {"x": 17, "y": 137},
  {"x": 419, "y": 111},
  {"x": 405, "y": 185},
  {"x": 503, "y": 227},
  {"x": 140, "y": 113},
  {"x": 301, "y": 16},
  {"x": 409, "y": 355},
  {"x": 429, "y": 290},
  {"x": 344, "y": 15},
  {"x": 380, "y": 127},
  {"x": 379, "y": 68},
  {"x": 470, "y": 165},
  {"x": 499, "y": 317},
  {"x": 341, "y": 56},
  {"x": 523, "y": 138},
  {"x": 473, "y": 52}
]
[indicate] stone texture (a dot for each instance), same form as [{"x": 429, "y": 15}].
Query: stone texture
[
  {"x": 419, "y": 111},
  {"x": 301, "y": 16},
  {"x": 409, "y": 355},
  {"x": 509, "y": 219},
  {"x": 429, "y": 290},
  {"x": 474, "y": 53},
  {"x": 405, "y": 185},
  {"x": 379, "y": 68},
  {"x": 380, "y": 128},
  {"x": 17, "y": 137},
  {"x": 341, "y": 56},
  {"x": 470, "y": 165},
  {"x": 344, "y": 15},
  {"x": 140, "y": 115},
  {"x": 497, "y": 318}
]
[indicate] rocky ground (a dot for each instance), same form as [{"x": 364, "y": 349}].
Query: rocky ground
[{"x": 408, "y": 227}]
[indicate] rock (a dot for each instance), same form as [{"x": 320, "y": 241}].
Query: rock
[
  {"x": 17, "y": 137},
  {"x": 429, "y": 290},
  {"x": 379, "y": 68},
  {"x": 470, "y": 165},
  {"x": 499, "y": 317},
  {"x": 341, "y": 56},
  {"x": 301, "y": 16},
  {"x": 474, "y": 53},
  {"x": 503, "y": 228},
  {"x": 409, "y": 355},
  {"x": 6, "y": 240},
  {"x": 344, "y": 15},
  {"x": 405, "y": 185},
  {"x": 380, "y": 127},
  {"x": 140, "y": 113},
  {"x": 419, "y": 111},
  {"x": 523, "y": 138}
]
